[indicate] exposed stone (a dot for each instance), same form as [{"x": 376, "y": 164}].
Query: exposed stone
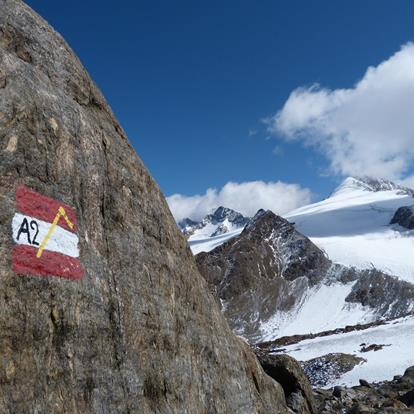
[
  {"x": 325, "y": 369},
  {"x": 2, "y": 80},
  {"x": 387, "y": 295},
  {"x": 338, "y": 391},
  {"x": 364, "y": 383},
  {"x": 409, "y": 373},
  {"x": 139, "y": 333},
  {"x": 267, "y": 268},
  {"x": 372, "y": 347},
  {"x": 404, "y": 216},
  {"x": 408, "y": 398},
  {"x": 12, "y": 144},
  {"x": 266, "y": 271},
  {"x": 288, "y": 373},
  {"x": 387, "y": 397}
]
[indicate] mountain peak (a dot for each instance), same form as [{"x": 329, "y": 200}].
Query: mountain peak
[
  {"x": 371, "y": 184},
  {"x": 223, "y": 213},
  {"x": 222, "y": 220}
]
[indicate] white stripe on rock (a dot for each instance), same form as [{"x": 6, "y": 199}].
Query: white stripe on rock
[{"x": 31, "y": 231}]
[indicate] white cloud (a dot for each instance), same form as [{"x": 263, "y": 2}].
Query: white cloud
[
  {"x": 364, "y": 130},
  {"x": 245, "y": 198}
]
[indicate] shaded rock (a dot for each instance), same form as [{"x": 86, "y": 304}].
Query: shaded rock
[
  {"x": 409, "y": 373},
  {"x": 338, "y": 391},
  {"x": 404, "y": 216},
  {"x": 387, "y": 295},
  {"x": 408, "y": 398},
  {"x": 289, "y": 374},
  {"x": 139, "y": 333},
  {"x": 364, "y": 383},
  {"x": 372, "y": 347},
  {"x": 323, "y": 370}
]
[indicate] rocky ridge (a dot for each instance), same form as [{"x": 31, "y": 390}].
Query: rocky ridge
[
  {"x": 270, "y": 267},
  {"x": 373, "y": 185}
]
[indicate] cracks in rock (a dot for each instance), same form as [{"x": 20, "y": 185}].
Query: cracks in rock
[{"x": 115, "y": 313}]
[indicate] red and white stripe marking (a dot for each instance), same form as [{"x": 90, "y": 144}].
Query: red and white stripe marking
[{"x": 43, "y": 248}]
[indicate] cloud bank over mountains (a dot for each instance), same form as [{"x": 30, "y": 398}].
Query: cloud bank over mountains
[
  {"x": 246, "y": 198},
  {"x": 364, "y": 130}
]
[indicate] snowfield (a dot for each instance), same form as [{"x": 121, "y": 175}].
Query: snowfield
[
  {"x": 352, "y": 226},
  {"x": 323, "y": 308},
  {"x": 200, "y": 242},
  {"x": 381, "y": 365}
]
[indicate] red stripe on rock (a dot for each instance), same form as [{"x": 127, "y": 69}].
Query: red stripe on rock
[
  {"x": 50, "y": 263},
  {"x": 31, "y": 203}
]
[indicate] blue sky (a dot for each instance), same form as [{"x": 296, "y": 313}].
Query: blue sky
[{"x": 191, "y": 81}]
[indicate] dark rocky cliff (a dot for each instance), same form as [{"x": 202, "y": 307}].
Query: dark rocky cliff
[
  {"x": 267, "y": 268},
  {"x": 138, "y": 333}
]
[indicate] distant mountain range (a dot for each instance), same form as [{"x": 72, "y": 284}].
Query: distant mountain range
[{"x": 333, "y": 264}]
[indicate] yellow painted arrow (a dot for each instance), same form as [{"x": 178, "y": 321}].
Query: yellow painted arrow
[{"x": 61, "y": 213}]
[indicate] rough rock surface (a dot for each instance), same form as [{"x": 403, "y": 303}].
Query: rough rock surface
[
  {"x": 266, "y": 268},
  {"x": 288, "y": 372},
  {"x": 404, "y": 216},
  {"x": 139, "y": 333},
  {"x": 388, "y": 295},
  {"x": 388, "y": 397}
]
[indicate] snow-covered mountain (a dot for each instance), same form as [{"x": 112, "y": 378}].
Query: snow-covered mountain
[
  {"x": 216, "y": 227},
  {"x": 273, "y": 281},
  {"x": 352, "y": 226}
]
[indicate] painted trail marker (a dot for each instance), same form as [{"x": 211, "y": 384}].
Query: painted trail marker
[{"x": 44, "y": 231}]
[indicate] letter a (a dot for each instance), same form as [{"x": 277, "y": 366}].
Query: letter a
[{"x": 24, "y": 228}]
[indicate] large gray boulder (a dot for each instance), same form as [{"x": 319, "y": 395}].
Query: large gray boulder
[
  {"x": 138, "y": 332},
  {"x": 288, "y": 372}
]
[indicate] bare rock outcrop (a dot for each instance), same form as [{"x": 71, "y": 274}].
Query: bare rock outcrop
[
  {"x": 288, "y": 372},
  {"x": 404, "y": 216},
  {"x": 267, "y": 268},
  {"x": 107, "y": 313}
]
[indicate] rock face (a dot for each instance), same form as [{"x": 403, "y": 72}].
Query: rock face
[
  {"x": 139, "y": 333},
  {"x": 265, "y": 269},
  {"x": 388, "y": 295},
  {"x": 288, "y": 372},
  {"x": 404, "y": 216}
]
